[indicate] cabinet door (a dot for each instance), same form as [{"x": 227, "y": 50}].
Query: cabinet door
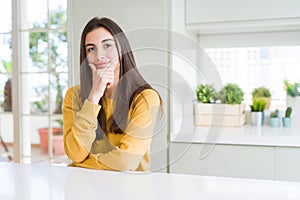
[
  {"x": 223, "y": 160},
  {"x": 287, "y": 163},
  {"x": 215, "y": 11},
  {"x": 234, "y": 16}
]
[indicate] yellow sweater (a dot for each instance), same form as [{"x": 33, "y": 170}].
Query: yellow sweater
[{"x": 120, "y": 152}]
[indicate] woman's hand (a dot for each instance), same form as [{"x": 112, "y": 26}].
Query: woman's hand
[{"x": 102, "y": 78}]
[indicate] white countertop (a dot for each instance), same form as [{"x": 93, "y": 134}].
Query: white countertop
[
  {"x": 281, "y": 136},
  {"x": 245, "y": 135},
  {"x": 30, "y": 182}
]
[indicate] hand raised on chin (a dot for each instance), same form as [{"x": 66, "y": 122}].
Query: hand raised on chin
[{"x": 102, "y": 78}]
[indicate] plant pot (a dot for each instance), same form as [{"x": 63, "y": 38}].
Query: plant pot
[
  {"x": 207, "y": 114},
  {"x": 274, "y": 121},
  {"x": 257, "y": 118},
  {"x": 58, "y": 144},
  {"x": 293, "y": 102},
  {"x": 286, "y": 122}
]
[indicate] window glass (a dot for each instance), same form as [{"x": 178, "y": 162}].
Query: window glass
[
  {"x": 58, "y": 13},
  {"x": 35, "y": 11},
  {"x": 5, "y": 16},
  {"x": 252, "y": 67}
]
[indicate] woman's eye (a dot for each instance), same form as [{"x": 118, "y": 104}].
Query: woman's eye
[
  {"x": 107, "y": 45},
  {"x": 91, "y": 49}
]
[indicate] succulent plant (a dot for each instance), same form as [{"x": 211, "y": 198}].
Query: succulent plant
[
  {"x": 231, "y": 94},
  {"x": 292, "y": 89},
  {"x": 205, "y": 93},
  {"x": 258, "y": 105},
  {"x": 288, "y": 112},
  {"x": 275, "y": 114},
  {"x": 261, "y": 92}
]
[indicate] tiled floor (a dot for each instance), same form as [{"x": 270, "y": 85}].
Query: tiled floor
[{"x": 37, "y": 156}]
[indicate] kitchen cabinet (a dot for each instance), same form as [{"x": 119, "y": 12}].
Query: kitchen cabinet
[
  {"x": 241, "y": 16},
  {"x": 223, "y": 160},
  {"x": 258, "y": 162},
  {"x": 287, "y": 163}
]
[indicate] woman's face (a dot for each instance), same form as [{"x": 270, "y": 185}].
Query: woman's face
[{"x": 101, "y": 50}]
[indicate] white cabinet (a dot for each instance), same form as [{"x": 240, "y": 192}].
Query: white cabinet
[
  {"x": 287, "y": 163},
  {"x": 259, "y": 162},
  {"x": 241, "y": 16},
  {"x": 223, "y": 160}
]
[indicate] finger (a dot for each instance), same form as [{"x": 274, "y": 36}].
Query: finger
[
  {"x": 93, "y": 67},
  {"x": 110, "y": 82}
]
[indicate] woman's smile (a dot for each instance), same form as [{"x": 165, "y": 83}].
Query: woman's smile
[{"x": 103, "y": 65}]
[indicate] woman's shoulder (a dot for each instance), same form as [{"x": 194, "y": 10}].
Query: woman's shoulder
[
  {"x": 72, "y": 96},
  {"x": 73, "y": 92},
  {"x": 150, "y": 96}
]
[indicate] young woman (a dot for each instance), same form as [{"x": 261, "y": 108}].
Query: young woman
[{"x": 109, "y": 118}]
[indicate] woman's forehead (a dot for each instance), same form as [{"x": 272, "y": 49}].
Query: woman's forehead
[{"x": 98, "y": 35}]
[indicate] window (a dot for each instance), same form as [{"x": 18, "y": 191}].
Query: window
[
  {"x": 252, "y": 67},
  {"x": 44, "y": 57},
  {"x": 43, "y": 74},
  {"x": 6, "y": 120},
  {"x": 5, "y": 47}
]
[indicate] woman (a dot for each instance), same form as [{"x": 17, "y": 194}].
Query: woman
[{"x": 109, "y": 118}]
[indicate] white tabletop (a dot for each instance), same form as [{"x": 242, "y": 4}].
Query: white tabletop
[{"x": 41, "y": 182}]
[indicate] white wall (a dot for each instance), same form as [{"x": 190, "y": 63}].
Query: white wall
[{"x": 150, "y": 48}]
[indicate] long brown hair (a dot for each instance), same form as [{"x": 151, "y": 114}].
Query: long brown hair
[{"x": 131, "y": 82}]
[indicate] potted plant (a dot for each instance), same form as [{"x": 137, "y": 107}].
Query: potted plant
[
  {"x": 274, "y": 118},
  {"x": 262, "y": 93},
  {"x": 257, "y": 114},
  {"x": 293, "y": 94},
  {"x": 231, "y": 94},
  {"x": 57, "y": 132},
  {"x": 205, "y": 93},
  {"x": 7, "y": 103},
  {"x": 221, "y": 108},
  {"x": 287, "y": 120}
]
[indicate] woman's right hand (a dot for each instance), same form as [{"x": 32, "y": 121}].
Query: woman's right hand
[{"x": 102, "y": 78}]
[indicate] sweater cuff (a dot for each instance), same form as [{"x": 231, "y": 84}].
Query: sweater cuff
[{"x": 89, "y": 111}]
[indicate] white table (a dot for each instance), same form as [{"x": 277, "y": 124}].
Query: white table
[{"x": 41, "y": 182}]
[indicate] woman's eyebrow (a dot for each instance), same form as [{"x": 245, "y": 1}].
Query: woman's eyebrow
[
  {"x": 89, "y": 45},
  {"x": 105, "y": 40}
]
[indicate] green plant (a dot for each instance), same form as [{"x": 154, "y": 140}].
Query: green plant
[
  {"x": 261, "y": 92},
  {"x": 7, "y": 104},
  {"x": 275, "y": 114},
  {"x": 288, "y": 112},
  {"x": 7, "y": 65},
  {"x": 60, "y": 122},
  {"x": 205, "y": 93},
  {"x": 292, "y": 89},
  {"x": 258, "y": 105},
  {"x": 231, "y": 94}
]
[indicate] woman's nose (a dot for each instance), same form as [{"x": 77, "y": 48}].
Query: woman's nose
[{"x": 100, "y": 55}]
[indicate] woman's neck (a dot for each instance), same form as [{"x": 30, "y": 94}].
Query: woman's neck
[{"x": 109, "y": 91}]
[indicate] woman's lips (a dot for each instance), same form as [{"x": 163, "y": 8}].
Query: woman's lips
[{"x": 102, "y": 65}]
